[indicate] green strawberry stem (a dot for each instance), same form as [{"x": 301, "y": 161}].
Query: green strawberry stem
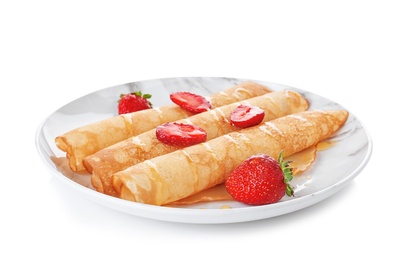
[
  {"x": 288, "y": 173},
  {"x": 139, "y": 94}
]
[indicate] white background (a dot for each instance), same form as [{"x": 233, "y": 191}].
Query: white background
[{"x": 54, "y": 52}]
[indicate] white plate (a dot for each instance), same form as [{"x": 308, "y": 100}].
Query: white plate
[{"x": 332, "y": 170}]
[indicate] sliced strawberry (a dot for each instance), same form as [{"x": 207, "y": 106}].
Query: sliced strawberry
[
  {"x": 245, "y": 116},
  {"x": 180, "y": 134},
  {"x": 133, "y": 102},
  {"x": 260, "y": 180},
  {"x": 191, "y": 102}
]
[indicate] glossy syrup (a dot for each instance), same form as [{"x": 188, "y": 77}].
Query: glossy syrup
[{"x": 300, "y": 162}]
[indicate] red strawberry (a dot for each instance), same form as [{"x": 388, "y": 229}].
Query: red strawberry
[
  {"x": 245, "y": 116},
  {"x": 191, "y": 102},
  {"x": 260, "y": 180},
  {"x": 180, "y": 134},
  {"x": 133, "y": 102}
]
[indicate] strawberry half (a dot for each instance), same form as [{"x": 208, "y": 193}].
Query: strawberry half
[
  {"x": 245, "y": 116},
  {"x": 180, "y": 134},
  {"x": 133, "y": 102},
  {"x": 260, "y": 180},
  {"x": 191, "y": 102}
]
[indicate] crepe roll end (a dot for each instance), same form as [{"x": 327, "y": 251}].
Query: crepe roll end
[{"x": 297, "y": 101}]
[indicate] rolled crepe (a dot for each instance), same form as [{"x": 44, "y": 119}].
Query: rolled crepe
[
  {"x": 104, "y": 163},
  {"x": 185, "y": 172},
  {"x": 84, "y": 141}
]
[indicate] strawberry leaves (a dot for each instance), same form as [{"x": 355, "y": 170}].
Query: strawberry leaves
[
  {"x": 288, "y": 174},
  {"x": 260, "y": 180},
  {"x": 138, "y": 94},
  {"x": 133, "y": 102}
]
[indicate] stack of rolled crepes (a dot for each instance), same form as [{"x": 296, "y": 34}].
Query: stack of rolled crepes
[
  {"x": 179, "y": 174},
  {"x": 141, "y": 168},
  {"x": 215, "y": 122},
  {"x": 84, "y": 141}
]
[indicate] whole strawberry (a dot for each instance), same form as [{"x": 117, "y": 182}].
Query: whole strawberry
[
  {"x": 133, "y": 102},
  {"x": 260, "y": 180}
]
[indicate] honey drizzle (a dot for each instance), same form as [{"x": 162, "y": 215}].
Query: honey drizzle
[{"x": 301, "y": 161}]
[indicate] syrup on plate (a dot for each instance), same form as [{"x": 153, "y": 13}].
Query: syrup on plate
[{"x": 300, "y": 162}]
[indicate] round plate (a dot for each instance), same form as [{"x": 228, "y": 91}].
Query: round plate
[{"x": 332, "y": 170}]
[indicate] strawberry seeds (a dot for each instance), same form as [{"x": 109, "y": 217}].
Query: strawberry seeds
[
  {"x": 191, "y": 102},
  {"x": 180, "y": 134},
  {"x": 245, "y": 116}
]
